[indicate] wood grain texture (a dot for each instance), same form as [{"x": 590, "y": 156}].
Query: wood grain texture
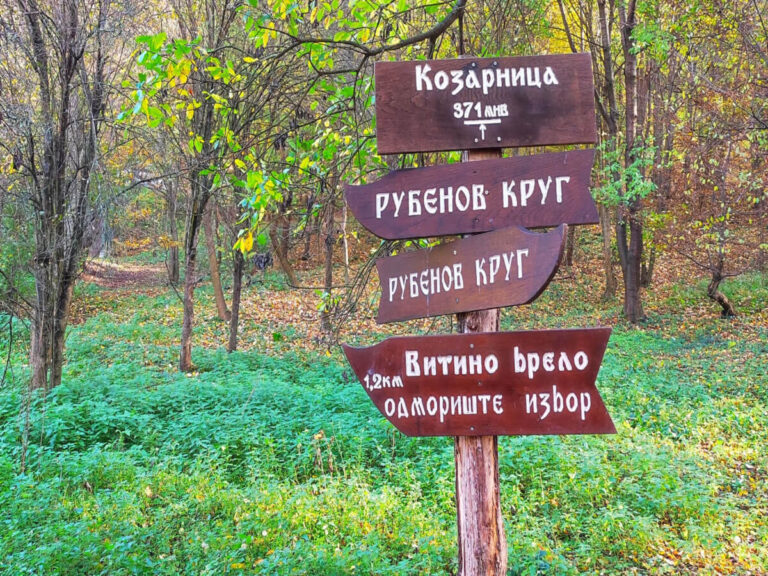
[
  {"x": 479, "y": 523},
  {"x": 507, "y": 267},
  {"x": 484, "y": 382},
  {"x": 466, "y": 198},
  {"x": 414, "y": 115}
]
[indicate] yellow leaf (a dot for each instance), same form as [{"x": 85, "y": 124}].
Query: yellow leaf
[{"x": 248, "y": 242}]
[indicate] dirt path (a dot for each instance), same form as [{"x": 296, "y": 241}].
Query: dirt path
[{"x": 129, "y": 276}]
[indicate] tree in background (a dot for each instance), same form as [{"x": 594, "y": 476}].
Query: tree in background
[
  {"x": 56, "y": 77},
  {"x": 719, "y": 207},
  {"x": 218, "y": 97}
]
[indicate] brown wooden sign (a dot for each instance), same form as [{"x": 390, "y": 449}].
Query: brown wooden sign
[
  {"x": 484, "y": 103},
  {"x": 506, "y": 267},
  {"x": 530, "y": 191},
  {"x": 495, "y": 383}
]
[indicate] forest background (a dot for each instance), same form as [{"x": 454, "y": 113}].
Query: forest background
[{"x": 177, "y": 265}]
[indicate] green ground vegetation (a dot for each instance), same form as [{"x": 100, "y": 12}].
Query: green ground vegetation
[{"x": 277, "y": 463}]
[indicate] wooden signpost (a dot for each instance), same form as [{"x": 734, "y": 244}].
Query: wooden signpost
[
  {"x": 481, "y": 383},
  {"x": 488, "y": 384},
  {"x": 472, "y": 103},
  {"x": 530, "y": 191},
  {"x": 506, "y": 267}
]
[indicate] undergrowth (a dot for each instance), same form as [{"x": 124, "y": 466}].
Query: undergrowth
[{"x": 279, "y": 464}]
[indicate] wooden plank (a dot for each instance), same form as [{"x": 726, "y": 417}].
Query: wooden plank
[
  {"x": 506, "y": 267},
  {"x": 482, "y": 544},
  {"x": 472, "y": 103},
  {"x": 488, "y": 384},
  {"x": 529, "y": 191}
]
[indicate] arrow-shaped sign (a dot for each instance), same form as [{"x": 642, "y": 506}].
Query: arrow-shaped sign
[
  {"x": 506, "y": 267},
  {"x": 529, "y": 191},
  {"x": 496, "y": 383}
]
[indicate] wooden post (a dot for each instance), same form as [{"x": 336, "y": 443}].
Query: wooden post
[{"x": 482, "y": 544}]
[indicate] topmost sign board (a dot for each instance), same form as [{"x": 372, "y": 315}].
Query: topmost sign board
[{"x": 471, "y": 103}]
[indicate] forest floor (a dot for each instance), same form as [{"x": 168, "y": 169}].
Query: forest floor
[{"x": 272, "y": 460}]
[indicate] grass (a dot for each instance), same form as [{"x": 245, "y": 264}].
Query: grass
[{"x": 275, "y": 461}]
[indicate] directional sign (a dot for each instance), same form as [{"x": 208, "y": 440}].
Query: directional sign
[
  {"x": 530, "y": 191},
  {"x": 496, "y": 383},
  {"x": 506, "y": 267},
  {"x": 484, "y": 103}
]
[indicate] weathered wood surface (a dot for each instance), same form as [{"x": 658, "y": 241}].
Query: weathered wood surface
[
  {"x": 506, "y": 267},
  {"x": 496, "y": 384},
  {"x": 482, "y": 544},
  {"x": 473, "y": 103},
  {"x": 530, "y": 191},
  {"x": 480, "y": 526}
]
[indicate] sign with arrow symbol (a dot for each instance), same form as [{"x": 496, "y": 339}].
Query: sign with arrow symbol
[{"x": 495, "y": 383}]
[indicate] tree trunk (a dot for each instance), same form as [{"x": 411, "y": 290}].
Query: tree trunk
[
  {"x": 60, "y": 323},
  {"x": 608, "y": 90},
  {"x": 330, "y": 241},
  {"x": 633, "y": 307},
  {"x": 570, "y": 240},
  {"x": 284, "y": 228},
  {"x": 188, "y": 302},
  {"x": 646, "y": 273},
  {"x": 171, "y": 200},
  {"x": 213, "y": 262},
  {"x": 308, "y": 228},
  {"x": 632, "y": 253},
  {"x": 610, "y": 277},
  {"x": 282, "y": 258},
  {"x": 67, "y": 108},
  {"x": 194, "y": 221},
  {"x": 481, "y": 539},
  {"x": 345, "y": 240},
  {"x": 237, "y": 286},
  {"x": 40, "y": 347},
  {"x": 714, "y": 293}
]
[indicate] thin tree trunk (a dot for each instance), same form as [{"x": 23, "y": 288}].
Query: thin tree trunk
[
  {"x": 622, "y": 243},
  {"x": 61, "y": 321},
  {"x": 646, "y": 273},
  {"x": 633, "y": 251},
  {"x": 282, "y": 258},
  {"x": 284, "y": 228},
  {"x": 237, "y": 286},
  {"x": 346, "y": 243},
  {"x": 633, "y": 306},
  {"x": 570, "y": 240},
  {"x": 608, "y": 90},
  {"x": 188, "y": 302},
  {"x": 194, "y": 221},
  {"x": 330, "y": 241},
  {"x": 213, "y": 262},
  {"x": 714, "y": 293},
  {"x": 610, "y": 277},
  {"x": 39, "y": 350},
  {"x": 308, "y": 228},
  {"x": 171, "y": 200}
]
